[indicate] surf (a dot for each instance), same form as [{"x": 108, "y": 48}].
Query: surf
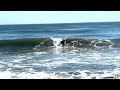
[{"x": 61, "y": 42}]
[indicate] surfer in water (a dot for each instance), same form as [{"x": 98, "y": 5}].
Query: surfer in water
[{"x": 62, "y": 42}]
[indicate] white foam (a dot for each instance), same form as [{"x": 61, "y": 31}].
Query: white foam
[
  {"x": 31, "y": 74},
  {"x": 21, "y": 57},
  {"x": 17, "y": 60},
  {"x": 59, "y": 61},
  {"x": 26, "y": 75},
  {"x": 39, "y": 53},
  {"x": 95, "y": 42},
  {"x": 56, "y": 41}
]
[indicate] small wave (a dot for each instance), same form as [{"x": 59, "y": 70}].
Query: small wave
[
  {"x": 68, "y": 42},
  {"x": 27, "y": 42}
]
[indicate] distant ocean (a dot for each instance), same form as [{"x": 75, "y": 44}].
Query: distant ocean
[{"x": 34, "y": 51}]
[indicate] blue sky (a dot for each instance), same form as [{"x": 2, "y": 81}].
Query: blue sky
[{"x": 41, "y": 17}]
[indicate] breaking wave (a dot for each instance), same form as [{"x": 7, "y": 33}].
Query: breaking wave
[{"x": 68, "y": 42}]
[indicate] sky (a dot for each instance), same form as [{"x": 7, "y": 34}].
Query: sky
[{"x": 42, "y": 17}]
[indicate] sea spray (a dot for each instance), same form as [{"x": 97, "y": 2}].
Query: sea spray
[{"x": 56, "y": 41}]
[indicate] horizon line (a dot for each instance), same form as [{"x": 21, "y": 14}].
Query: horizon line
[{"x": 62, "y": 23}]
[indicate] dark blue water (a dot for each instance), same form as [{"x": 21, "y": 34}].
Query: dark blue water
[
  {"x": 86, "y": 30},
  {"x": 91, "y": 50}
]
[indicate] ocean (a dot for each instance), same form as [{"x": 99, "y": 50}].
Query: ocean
[{"x": 60, "y": 51}]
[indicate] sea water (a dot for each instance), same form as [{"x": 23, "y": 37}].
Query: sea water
[{"x": 90, "y": 51}]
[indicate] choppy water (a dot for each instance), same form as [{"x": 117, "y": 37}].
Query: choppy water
[{"x": 90, "y": 51}]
